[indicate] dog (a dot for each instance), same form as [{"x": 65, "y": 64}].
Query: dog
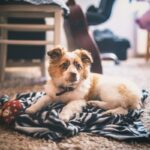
[{"x": 73, "y": 84}]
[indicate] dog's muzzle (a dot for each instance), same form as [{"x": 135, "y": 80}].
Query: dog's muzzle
[{"x": 73, "y": 77}]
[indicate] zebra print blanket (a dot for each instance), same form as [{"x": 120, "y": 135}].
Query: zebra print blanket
[{"x": 46, "y": 123}]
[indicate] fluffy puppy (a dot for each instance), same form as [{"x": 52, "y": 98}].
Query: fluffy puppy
[{"x": 73, "y": 84}]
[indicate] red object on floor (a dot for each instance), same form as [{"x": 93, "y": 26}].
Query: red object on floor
[{"x": 10, "y": 110}]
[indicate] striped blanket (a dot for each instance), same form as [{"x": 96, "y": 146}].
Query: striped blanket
[{"x": 46, "y": 123}]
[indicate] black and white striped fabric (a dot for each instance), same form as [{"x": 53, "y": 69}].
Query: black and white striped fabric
[{"x": 46, "y": 123}]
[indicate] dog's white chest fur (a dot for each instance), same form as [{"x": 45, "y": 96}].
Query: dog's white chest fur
[{"x": 77, "y": 94}]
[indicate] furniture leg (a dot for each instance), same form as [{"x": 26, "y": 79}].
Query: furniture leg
[
  {"x": 57, "y": 27},
  {"x": 148, "y": 47},
  {"x": 3, "y": 52}
]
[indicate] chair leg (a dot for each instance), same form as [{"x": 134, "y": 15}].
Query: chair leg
[
  {"x": 3, "y": 52},
  {"x": 2, "y": 63},
  {"x": 3, "y": 55},
  {"x": 43, "y": 70},
  {"x": 148, "y": 48}
]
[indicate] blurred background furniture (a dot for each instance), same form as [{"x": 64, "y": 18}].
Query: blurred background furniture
[
  {"x": 108, "y": 42},
  {"x": 19, "y": 28},
  {"x": 77, "y": 34},
  {"x": 147, "y": 56},
  {"x": 144, "y": 23},
  {"x": 100, "y": 14},
  {"x": 111, "y": 46}
]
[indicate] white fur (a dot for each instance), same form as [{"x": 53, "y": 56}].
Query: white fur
[
  {"x": 107, "y": 90},
  {"x": 77, "y": 94}
]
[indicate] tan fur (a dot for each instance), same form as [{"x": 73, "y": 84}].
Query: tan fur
[
  {"x": 132, "y": 103},
  {"x": 72, "y": 69},
  {"x": 91, "y": 93}
]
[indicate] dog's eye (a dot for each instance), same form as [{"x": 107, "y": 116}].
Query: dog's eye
[
  {"x": 78, "y": 66},
  {"x": 64, "y": 65}
]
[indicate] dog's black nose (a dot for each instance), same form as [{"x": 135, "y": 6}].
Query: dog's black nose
[{"x": 73, "y": 76}]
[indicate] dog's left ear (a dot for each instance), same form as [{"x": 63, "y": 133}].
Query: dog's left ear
[
  {"x": 55, "y": 53},
  {"x": 84, "y": 55}
]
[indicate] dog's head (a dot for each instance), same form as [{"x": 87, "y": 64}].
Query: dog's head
[{"x": 69, "y": 68}]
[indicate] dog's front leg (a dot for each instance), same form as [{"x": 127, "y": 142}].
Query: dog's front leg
[
  {"x": 73, "y": 107},
  {"x": 41, "y": 103}
]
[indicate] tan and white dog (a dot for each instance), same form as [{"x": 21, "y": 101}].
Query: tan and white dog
[{"x": 73, "y": 83}]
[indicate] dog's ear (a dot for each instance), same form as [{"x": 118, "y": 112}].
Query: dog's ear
[
  {"x": 55, "y": 53},
  {"x": 84, "y": 55}
]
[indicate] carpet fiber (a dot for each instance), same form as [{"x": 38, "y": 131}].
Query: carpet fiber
[{"x": 25, "y": 80}]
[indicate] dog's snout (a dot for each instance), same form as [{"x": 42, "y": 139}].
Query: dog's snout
[{"x": 73, "y": 76}]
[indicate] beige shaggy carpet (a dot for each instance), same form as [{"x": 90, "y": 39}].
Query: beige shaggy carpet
[{"x": 25, "y": 80}]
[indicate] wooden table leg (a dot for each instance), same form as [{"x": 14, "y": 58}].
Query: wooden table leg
[
  {"x": 57, "y": 27},
  {"x": 148, "y": 47},
  {"x": 3, "y": 52}
]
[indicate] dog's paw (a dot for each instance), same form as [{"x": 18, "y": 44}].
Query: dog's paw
[
  {"x": 117, "y": 111},
  {"x": 65, "y": 116},
  {"x": 107, "y": 112},
  {"x": 30, "y": 111},
  {"x": 92, "y": 103}
]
